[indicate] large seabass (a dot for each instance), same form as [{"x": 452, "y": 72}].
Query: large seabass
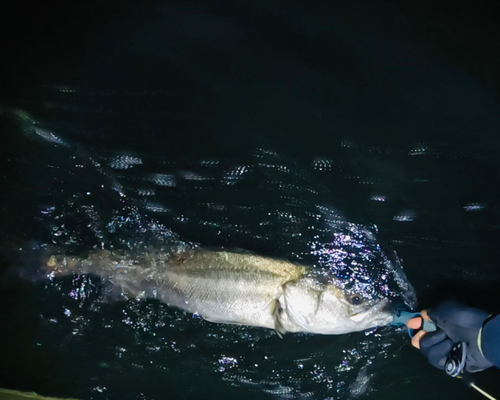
[{"x": 233, "y": 287}]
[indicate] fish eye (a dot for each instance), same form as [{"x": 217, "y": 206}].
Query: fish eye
[{"x": 355, "y": 299}]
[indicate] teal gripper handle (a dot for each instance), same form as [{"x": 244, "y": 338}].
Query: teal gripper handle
[{"x": 401, "y": 317}]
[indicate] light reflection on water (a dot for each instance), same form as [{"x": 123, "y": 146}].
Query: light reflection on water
[{"x": 266, "y": 203}]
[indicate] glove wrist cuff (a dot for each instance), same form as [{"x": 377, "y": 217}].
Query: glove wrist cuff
[{"x": 479, "y": 336}]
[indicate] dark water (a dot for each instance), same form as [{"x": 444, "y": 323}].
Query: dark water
[{"x": 160, "y": 122}]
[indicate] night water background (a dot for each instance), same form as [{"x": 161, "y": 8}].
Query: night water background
[{"x": 144, "y": 123}]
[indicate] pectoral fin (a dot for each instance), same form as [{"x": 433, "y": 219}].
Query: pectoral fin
[{"x": 280, "y": 330}]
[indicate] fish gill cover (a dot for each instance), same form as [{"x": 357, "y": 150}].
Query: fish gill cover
[{"x": 264, "y": 202}]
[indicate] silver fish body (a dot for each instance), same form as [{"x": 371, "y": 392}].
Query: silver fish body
[{"x": 233, "y": 287}]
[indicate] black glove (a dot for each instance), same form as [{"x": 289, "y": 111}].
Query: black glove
[{"x": 456, "y": 323}]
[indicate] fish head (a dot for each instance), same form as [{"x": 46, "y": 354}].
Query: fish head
[{"x": 329, "y": 309}]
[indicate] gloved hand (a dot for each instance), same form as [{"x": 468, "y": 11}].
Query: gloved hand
[{"x": 456, "y": 323}]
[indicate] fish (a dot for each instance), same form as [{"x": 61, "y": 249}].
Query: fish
[{"x": 232, "y": 287}]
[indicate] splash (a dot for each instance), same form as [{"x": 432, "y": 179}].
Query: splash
[{"x": 263, "y": 202}]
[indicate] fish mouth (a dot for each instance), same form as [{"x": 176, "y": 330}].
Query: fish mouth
[
  {"x": 364, "y": 310},
  {"x": 379, "y": 306},
  {"x": 379, "y": 312}
]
